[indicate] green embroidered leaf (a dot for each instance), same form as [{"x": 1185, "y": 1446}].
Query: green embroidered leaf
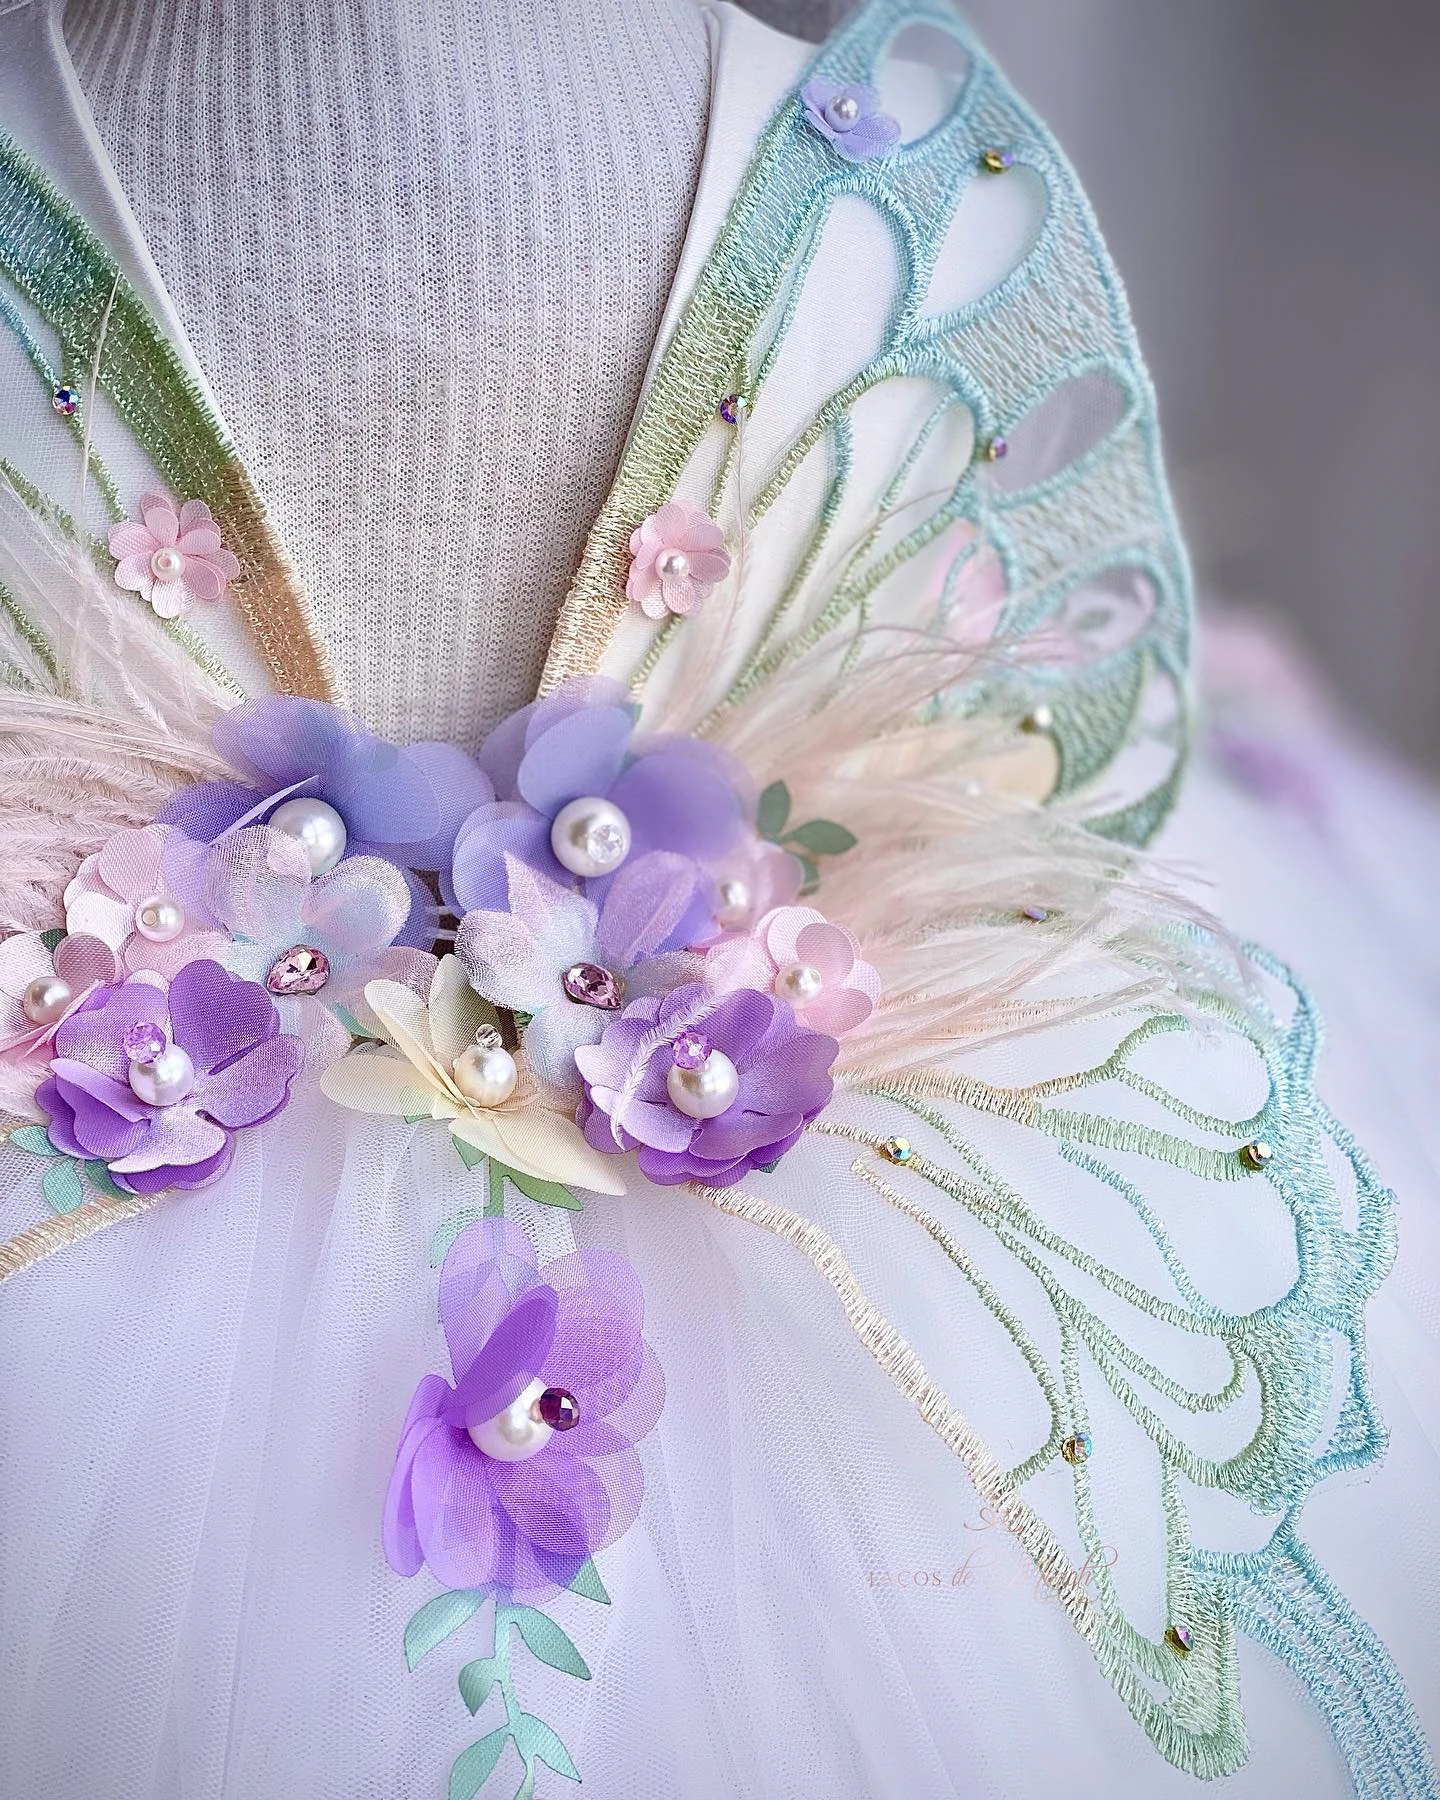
[
  {"x": 63, "y": 1186},
  {"x": 469, "y": 1155},
  {"x": 545, "y": 1639},
  {"x": 477, "y": 1679},
  {"x": 823, "y": 837},
  {"x": 471, "y": 1768},
  {"x": 103, "y": 1180},
  {"x": 495, "y": 1192},
  {"x": 588, "y": 1583},
  {"x": 33, "y": 1139},
  {"x": 533, "y": 1737},
  {"x": 438, "y": 1619},
  {"x": 447, "y": 1233},
  {"x": 53, "y": 939},
  {"x": 544, "y": 1193},
  {"x": 773, "y": 811}
]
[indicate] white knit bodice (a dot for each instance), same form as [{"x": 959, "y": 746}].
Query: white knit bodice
[{"x": 421, "y": 248}]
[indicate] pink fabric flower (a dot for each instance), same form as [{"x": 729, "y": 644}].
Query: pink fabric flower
[
  {"x": 754, "y": 879},
  {"x": 796, "y": 951},
  {"x": 173, "y": 557},
  {"x": 83, "y": 964},
  {"x": 678, "y": 556},
  {"x": 114, "y": 888}
]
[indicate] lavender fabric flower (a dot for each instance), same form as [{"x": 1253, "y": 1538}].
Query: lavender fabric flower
[
  {"x": 403, "y": 804},
  {"x": 243, "y": 1068},
  {"x": 519, "y": 958},
  {"x": 677, "y": 794},
  {"x": 784, "y": 1075},
  {"x": 848, "y": 115},
  {"x": 524, "y": 1527}
]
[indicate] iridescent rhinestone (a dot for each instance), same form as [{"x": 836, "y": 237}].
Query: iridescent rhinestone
[
  {"x": 1037, "y": 914},
  {"x": 143, "y": 1043},
  {"x": 66, "y": 400},
  {"x": 691, "y": 1049},
  {"x": 558, "y": 1408},
  {"x": 589, "y": 985},
  {"x": 605, "y": 841},
  {"x": 489, "y": 1037},
  {"x": 897, "y": 1150},
  {"x": 1040, "y": 719},
  {"x": 301, "y": 970},
  {"x": 1180, "y": 1638},
  {"x": 731, "y": 408},
  {"x": 1076, "y": 1449},
  {"x": 996, "y": 449},
  {"x": 1256, "y": 1155},
  {"x": 996, "y": 162}
]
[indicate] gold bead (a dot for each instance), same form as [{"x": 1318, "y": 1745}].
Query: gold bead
[
  {"x": 995, "y": 162},
  {"x": 1256, "y": 1155},
  {"x": 896, "y": 1150}
]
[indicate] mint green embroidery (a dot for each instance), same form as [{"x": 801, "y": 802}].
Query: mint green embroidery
[
  {"x": 1189, "y": 1704},
  {"x": 1058, "y": 317},
  {"x": 75, "y": 422},
  {"x": 536, "y": 1742},
  {"x": 63, "y": 1182},
  {"x": 51, "y": 259}
]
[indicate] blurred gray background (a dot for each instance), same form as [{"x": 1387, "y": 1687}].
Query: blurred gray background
[{"x": 1268, "y": 175}]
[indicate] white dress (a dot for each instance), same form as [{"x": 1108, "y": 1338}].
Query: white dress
[{"x": 200, "y": 1407}]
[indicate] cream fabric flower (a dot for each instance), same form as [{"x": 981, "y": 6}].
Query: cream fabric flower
[{"x": 410, "y": 1078}]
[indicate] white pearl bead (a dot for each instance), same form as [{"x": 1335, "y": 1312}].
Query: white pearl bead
[
  {"x": 167, "y": 1080},
  {"x": 799, "y": 983},
  {"x": 515, "y": 1434},
  {"x": 706, "y": 1092},
  {"x": 167, "y": 564},
  {"x": 158, "y": 919},
  {"x": 46, "y": 999},
  {"x": 486, "y": 1074},
  {"x": 316, "y": 827},
  {"x": 843, "y": 112},
  {"x": 672, "y": 565},
  {"x": 590, "y": 836},
  {"x": 734, "y": 902}
]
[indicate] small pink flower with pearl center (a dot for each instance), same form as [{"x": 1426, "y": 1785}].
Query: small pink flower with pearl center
[
  {"x": 677, "y": 556},
  {"x": 798, "y": 954},
  {"x": 172, "y": 555}
]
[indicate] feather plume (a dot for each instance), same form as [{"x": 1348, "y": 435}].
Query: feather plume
[{"x": 113, "y": 719}]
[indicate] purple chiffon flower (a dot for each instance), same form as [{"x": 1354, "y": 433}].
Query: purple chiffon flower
[
  {"x": 848, "y": 115},
  {"x": 524, "y": 1527},
  {"x": 519, "y": 958},
  {"x": 784, "y": 1075},
  {"x": 678, "y": 795},
  {"x": 405, "y": 805},
  {"x": 242, "y": 1065}
]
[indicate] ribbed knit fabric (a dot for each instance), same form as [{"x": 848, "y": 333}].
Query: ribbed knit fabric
[{"x": 421, "y": 248}]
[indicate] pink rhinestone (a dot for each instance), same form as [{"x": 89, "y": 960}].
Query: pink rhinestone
[
  {"x": 301, "y": 970},
  {"x": 143, "y": 1042},
  {"x": 558, "y": 1408},
  {"x": 589, "y": 985},
  {"x": 690, "y": 1049}
]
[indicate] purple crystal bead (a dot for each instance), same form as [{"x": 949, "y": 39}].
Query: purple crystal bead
[
  {"x": 731, "y": 408},
  {"x": 301, "y": 970},
  {"x": 589, "y": 985},
  {"x": 142, "y": 1043},
  {"x": 558, "y": 1408},
  {"x": 1037, "y": 913},
  {"x": 691, "y": 1049}
]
